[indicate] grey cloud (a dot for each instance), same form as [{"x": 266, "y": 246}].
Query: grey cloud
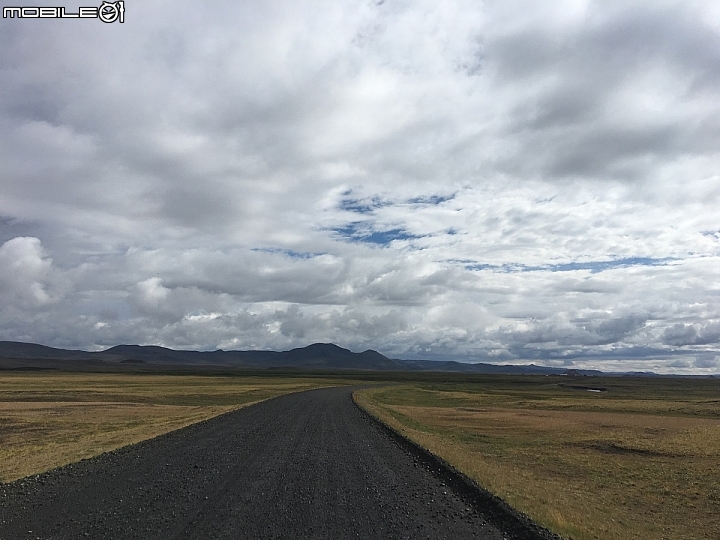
[
  {"x": 679, "y": 334},
  {"x": 608, "y": 151},
  {"x": 166, "y": 305},
  {"x": 692, "y": 334},
  {"x": 614, "y": 330},
  {"x": 523, "y": 167},
  {"x": 589, "y": 286},
  {"x": 197, "y": 207},
  {"x": 682, "y": 364},
  {"x": 557, "y": 334},
  {"x": 707, "y": 361},
  {"x": 580, "y": 125},
  {"x": 337, "y": 324}
]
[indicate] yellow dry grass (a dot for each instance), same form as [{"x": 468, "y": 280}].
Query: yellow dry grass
[
  {"x": 597, "y": 473},
  {"x": 37, "y": 436},
  {"x": 49, "y": 420}
]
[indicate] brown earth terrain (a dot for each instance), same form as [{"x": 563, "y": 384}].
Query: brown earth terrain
[{"x": 303, "y": 465}]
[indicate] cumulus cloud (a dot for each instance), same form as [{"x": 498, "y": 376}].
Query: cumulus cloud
[
  {"x": 25, "y": 274},
  {"x": 483, "y": 181},
  {"x": 692, "y": 334}
]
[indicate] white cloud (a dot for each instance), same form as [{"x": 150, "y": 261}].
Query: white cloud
[
  {"x": 502, "y": 180},
  {"x": 25, "y": 274}
]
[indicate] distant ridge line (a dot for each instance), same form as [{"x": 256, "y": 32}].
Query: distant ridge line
[{"x": 317, "y": 356}]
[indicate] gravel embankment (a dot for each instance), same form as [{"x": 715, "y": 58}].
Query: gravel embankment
[{"x": 306, "y": 465}]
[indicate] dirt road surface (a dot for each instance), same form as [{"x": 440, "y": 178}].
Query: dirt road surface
[{"x": 305, "y": 465}]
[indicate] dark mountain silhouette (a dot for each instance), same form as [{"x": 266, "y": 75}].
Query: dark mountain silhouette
[
  {"x": 15, "y": 349},
  {"x": 319, "y": 356}
]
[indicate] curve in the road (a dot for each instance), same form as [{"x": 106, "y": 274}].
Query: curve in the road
[{"x": 305, "y": 465}]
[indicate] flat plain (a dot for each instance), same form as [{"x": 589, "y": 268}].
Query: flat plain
[
  {"x": 51, "y": 419},
  {"x": 303, "y": 465},
  {"x": 589, "y": 458}
]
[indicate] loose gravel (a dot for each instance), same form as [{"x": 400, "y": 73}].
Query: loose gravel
[{"x": 304, "y": 465}]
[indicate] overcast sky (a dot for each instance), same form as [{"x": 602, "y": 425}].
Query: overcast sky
[{"x": 500, "y": 181}]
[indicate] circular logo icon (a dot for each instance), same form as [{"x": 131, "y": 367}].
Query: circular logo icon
[{"x": 109, "y": 12}]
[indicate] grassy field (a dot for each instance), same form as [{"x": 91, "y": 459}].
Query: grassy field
[
  {"x": 48, "y": 420},
  {"x": 640, "y": 459},
  {"x": 588, "y": 458}
]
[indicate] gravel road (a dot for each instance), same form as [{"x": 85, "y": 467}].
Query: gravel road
[{"x": 305, "y": 465}]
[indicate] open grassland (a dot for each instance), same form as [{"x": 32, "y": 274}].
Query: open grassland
[
  {"x": 48, "y": 420},
  {"x": 638, "y": 460}
]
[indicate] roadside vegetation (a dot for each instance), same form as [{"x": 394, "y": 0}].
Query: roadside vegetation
[
  {"x": 589, "y": 458},
  {"x": 49, "y": 420}
]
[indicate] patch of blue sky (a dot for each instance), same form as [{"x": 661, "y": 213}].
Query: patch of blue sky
[
  {"x": 359, "y": 232},
  {"x": 431, "y": 199},
  {"x": 479, "y": 266},
  {"x": 594, "y": 266},
  {"x": 368, "y": 205},
  {"x": 385, "y": 237},
  {"x": 288, "y": 253},
  {"x": 363, "y": 206},
  {"x": 350, "y": 230},
  {"x": 599, "y": 266}
]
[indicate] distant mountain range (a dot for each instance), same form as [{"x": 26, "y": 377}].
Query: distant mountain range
[{"x": 318, "y": 356}]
